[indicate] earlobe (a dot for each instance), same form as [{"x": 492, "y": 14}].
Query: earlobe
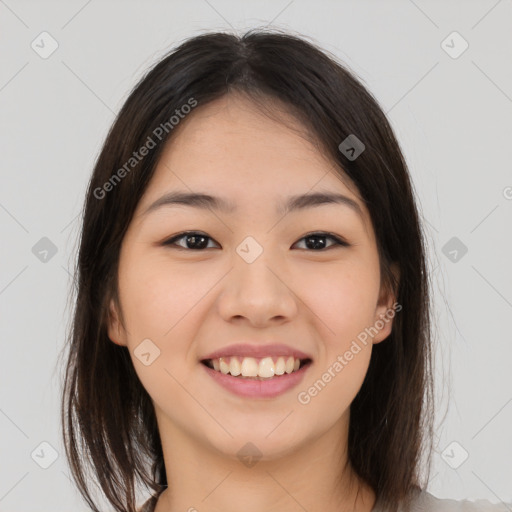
[
  {"x": 383, "y": 325},
  {"x": 386, "y": 308},
  {"x": 115, "y": 330}
]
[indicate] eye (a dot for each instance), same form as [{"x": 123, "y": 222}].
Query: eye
[
  {"x": 197, "y": 241},
  {"x": 193, "y": 238},
  {"x": 314, "y": 240}
]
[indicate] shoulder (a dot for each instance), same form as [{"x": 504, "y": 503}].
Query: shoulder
[{"x": 426, "y": 502}]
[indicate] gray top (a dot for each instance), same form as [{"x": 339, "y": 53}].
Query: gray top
[
  {"x": 422, "y": 502},
  {"x": 425, "y": 502}
]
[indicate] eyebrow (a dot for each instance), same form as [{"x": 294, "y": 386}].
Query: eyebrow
[{"x": 292, "y": 203}]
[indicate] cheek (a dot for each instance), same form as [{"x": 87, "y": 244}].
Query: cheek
[
  {"x": 158, "y": 300},
  {"x": 157, "y": 295},
  {"x": 344, "y": 299},
  {"x": 334, "y": 387},
  {"x": 345, "y": 310},
  {"x": 344, "y": 302}
]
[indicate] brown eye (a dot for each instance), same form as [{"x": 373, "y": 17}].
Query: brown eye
[
  {"x": 196, "y": 241},
  {"x": 193, "y": 241},
  {"x": 315, "y": 241}
]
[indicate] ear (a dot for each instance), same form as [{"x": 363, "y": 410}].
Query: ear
[
  {"x": 386, "y": 309},
  {"x": 116, "y": 331}
]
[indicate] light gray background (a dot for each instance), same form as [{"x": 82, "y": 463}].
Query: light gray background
[{"x": 453, "y": 118}]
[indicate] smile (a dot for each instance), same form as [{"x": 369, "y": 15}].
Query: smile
[
  {"x": 252, "y": 377},
  {"x": 252, "y": 367}
]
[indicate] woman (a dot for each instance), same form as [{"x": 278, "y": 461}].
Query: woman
[{"x": 252, "y": 324}]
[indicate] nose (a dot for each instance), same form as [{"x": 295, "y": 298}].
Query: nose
[{"x": 260, "y": 293}]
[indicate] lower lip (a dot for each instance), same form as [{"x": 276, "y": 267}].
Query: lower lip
[{"x": 250, "y": 388}]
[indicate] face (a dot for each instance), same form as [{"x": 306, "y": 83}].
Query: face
[{"x": 254, "y": 275}]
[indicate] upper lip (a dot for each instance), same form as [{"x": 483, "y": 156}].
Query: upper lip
[{"x": 250, "y": 350}]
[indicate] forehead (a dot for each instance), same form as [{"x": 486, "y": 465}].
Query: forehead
[
  {"x": 230, "y": 138},
  {"x": 230, "y": 148},
  {"x": 235, "y": 127}
]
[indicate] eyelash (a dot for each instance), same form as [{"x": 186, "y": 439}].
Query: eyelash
[{"x": 338, "y": 241}]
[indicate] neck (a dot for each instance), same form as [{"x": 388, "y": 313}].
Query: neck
[{"x": 204, "y": 479}]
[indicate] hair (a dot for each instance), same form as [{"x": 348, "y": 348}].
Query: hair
[{"x": 108, "y": 420}]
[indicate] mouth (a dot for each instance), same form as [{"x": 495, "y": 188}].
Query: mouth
[
  {"x": 257, "y": 378},
  {"x": 254, "y": 368}
]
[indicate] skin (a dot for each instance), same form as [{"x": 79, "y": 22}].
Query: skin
[{"x": 190, "y": 302}]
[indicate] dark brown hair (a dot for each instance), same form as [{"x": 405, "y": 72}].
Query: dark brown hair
[{"x": 108, "y": 421}]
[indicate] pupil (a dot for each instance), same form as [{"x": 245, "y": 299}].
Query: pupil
[
  {"x": 316, "y": 243},
  {"x": 195, "y": 239}
]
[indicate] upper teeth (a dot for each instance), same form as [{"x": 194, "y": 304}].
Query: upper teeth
[{"x": 250, "y": 367}]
